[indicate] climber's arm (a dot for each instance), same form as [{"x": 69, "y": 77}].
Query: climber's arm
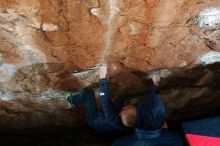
[{"x": 106, "y": 102}]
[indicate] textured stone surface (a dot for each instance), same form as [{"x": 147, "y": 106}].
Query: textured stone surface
[{"x": 47, "y": 46}]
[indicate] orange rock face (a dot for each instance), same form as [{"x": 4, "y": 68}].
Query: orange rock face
[{"x": 50, "y": 46}]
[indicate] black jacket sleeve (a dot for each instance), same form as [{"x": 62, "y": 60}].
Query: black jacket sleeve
[
  {"x": 154, "y": 90},
  {"x": 106, "y": 103}
]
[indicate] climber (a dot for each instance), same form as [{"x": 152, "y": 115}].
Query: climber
[
  {"x": 112, "y": 116},
  {"x": 149, "y": 123}
]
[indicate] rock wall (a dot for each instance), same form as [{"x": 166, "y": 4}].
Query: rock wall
[{"x": 47, "y": 46}]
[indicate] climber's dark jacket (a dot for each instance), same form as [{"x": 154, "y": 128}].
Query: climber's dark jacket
[{"x": 107, "y": 118}]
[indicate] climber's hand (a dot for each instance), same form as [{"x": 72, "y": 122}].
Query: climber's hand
[
  {"x": 156, "y": 79},
  {"x": 103, "y": 71},
  {"x": 165, "y": 125}
]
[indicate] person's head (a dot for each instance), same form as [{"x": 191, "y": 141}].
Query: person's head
[{"x": 128, "y": 115}]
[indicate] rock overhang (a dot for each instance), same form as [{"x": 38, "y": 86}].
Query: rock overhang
[{"x": 52, "y": 46}]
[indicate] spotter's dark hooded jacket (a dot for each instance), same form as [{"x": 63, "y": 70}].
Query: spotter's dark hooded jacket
[{"x": 150, "y": 118}]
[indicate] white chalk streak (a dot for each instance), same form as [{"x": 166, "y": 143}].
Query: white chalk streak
[
  {"x": 6, "y": 95},
  {"x": 49, "y": 27},
  {"x": 210, "y": 57},
  {"x": 96, "y": 12},
  {"x": 52, "y": 94},
  {"x": 87, "y": 73},
  {"x": 27, "y": 48},
  {"x": 7, "y": 72},
  {"x": 113, "y": 9},
  {"x": 164, "y": 73},
  {"x": 209, "y": 17}
]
